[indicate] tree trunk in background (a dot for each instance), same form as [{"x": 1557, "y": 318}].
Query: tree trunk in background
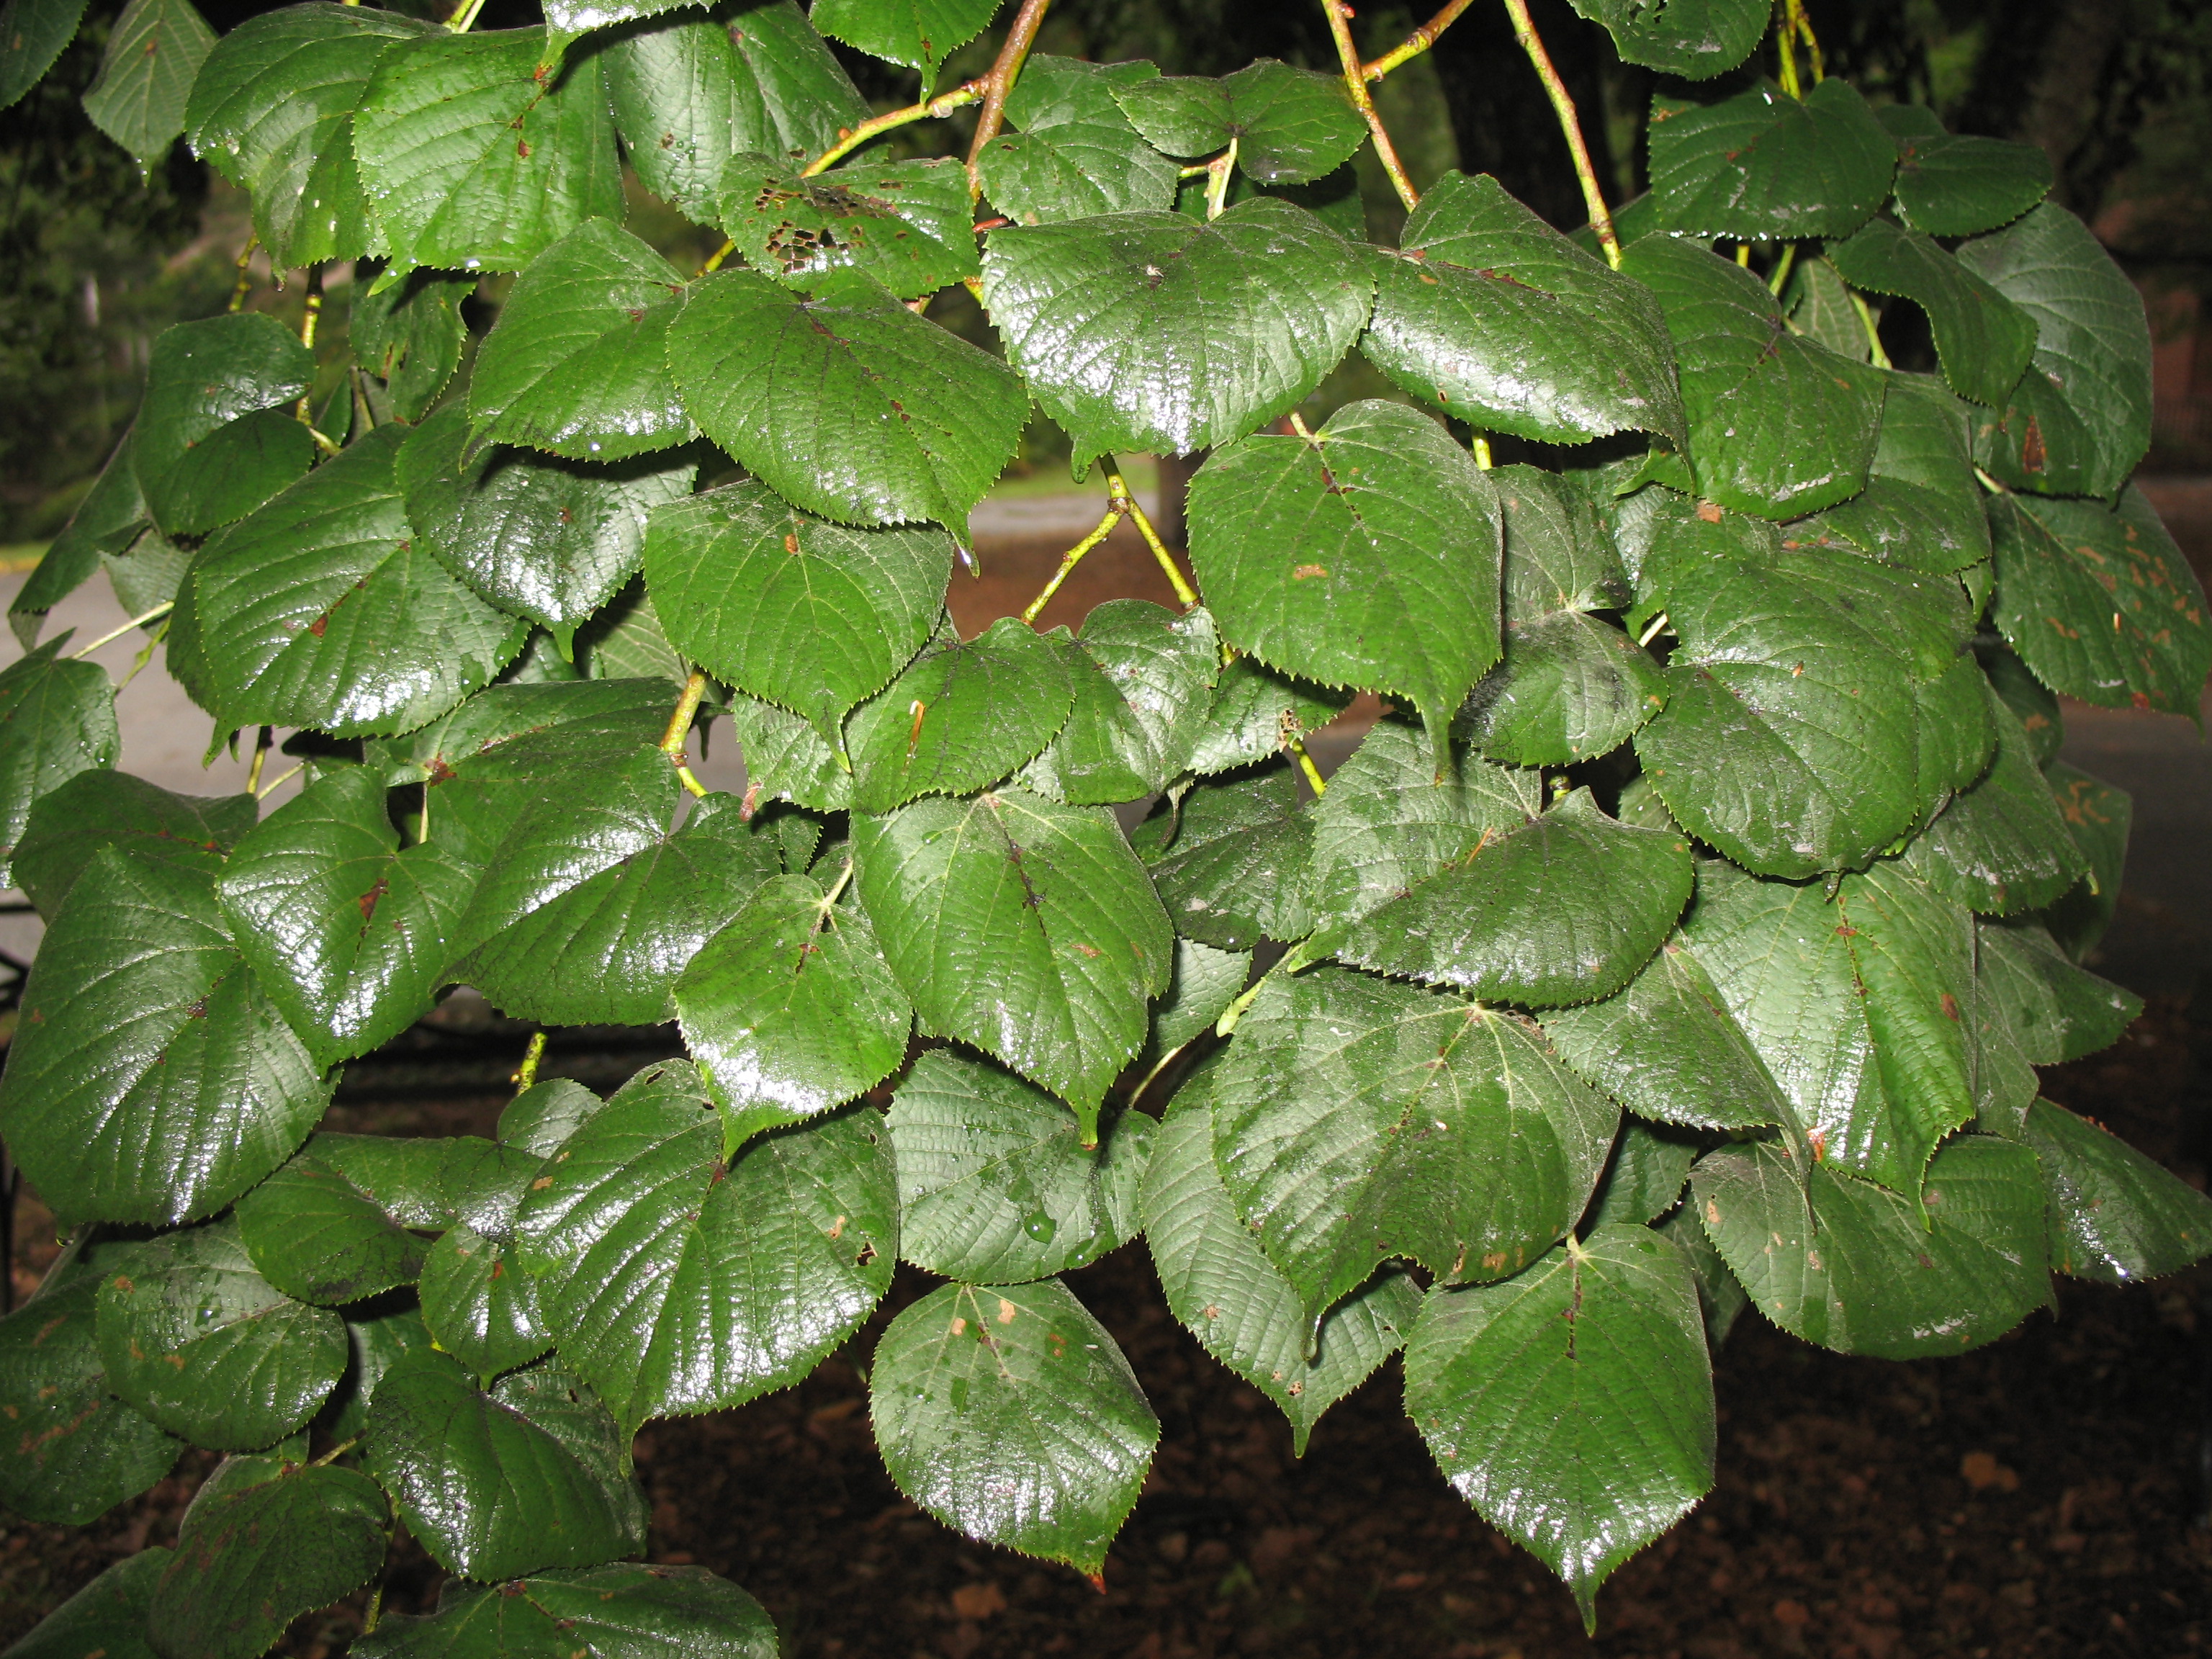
[
  {"x": 1175, "y": 485},
  {"x": 2061, "y": 100}
]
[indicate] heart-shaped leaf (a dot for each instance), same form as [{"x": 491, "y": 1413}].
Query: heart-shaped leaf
[
  {"x": 2001, "y": 846},
  {"x": 34, "y": 34},
  {"x": 1228, "y": 860},
  {"x": 1952, "y": 185},
  {"x": 1191, "y": 332},
  {"x": 1983, "y": 339},
  {"x": 57, "y": 723},
  {"x": 1572, "y": 1405},
  {"x": 1068, "y": 152},
  {"x": 1323, "y": 1130},
  {"x": 960, "y": 718},
  {"x": 1509, "y": 325},
  {"x": 1142, "y": 678},
  {"x": 151, "y": 1080},
  {"x": 787, "y": 607},
  {"x": 2058, "y": 1011},
  {"x": 411, "y": 335},
  {"x": 479, "y": 1305},
  {"x": 908, "y": 224},
  {"x": 317, "y": 1238},
  {"x": 497, "y": 1485},
  {"x": 1763, "y": 165},
  {"x": 1256, "y": 711},
  {"x": 1022, "y": 926},
  {"x": 1921, "y": 507},
  {"x": 995, "y": 1186},
  {"x": 790, "y": 1009},
  {"x": 1565, "y": 909},
  {"x": 213, "y": 440},
  {"x": 477, "y": 151},
  {"x": 1010, "y": 1415},
  {"x": 679, "y": 1279},
  {"x": 578, "y": 363},
  {"x": 1290, "y": 125},
  {"x": 918, "y": 34},
  {"x": 847, "y": 403},
  {"x": 195, "y": 1338},
  {"x": 613, "y": 1608},
  {"x": 154, "y": 52},
  {"x": 1694, "y": 39},
  {"x": 1365, "y": 555},
  {"x": 2115, "y": 1215},
  {"x": 107, "y": 1616},
  {"x": 1230, "y": 1297}
]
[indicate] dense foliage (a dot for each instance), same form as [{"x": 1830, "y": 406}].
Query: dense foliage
[{"x": 1683, "y": 938}]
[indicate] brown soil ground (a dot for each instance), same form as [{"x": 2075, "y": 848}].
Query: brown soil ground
[{"x": 2035, "y": 1497}]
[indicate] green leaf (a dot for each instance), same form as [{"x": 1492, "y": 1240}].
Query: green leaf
[
  {"x": 1560, "y": 552},
  {"x": 410, "y": 335},
  {"x": 622, "y": 1609},
  {"x": 2098, "y": 817},
  {"x": 1153, "y": 332},
  {"x": 1572, "y": 1406},
  {"x": 1511, "y": 326},
  {"x": 1795, "y": 699},
  {"x": 154, "y": 52},
  {"x": 2101, "y": 605},
  {"x": 151, "y": 1079},
  {"x": 1569, "y": 688},
  {"x": 610, "y": 949},
  {"x": 1068, "y": 152},
  {"x": 908, "y": 224},
  {"x": 378, "y": 1334},
  {"x": 57, "y": 723},
  {"x": 692, "y": 90},
  {"x": 550, "y": 540},
  {"x": 479, "y": 1305},
  {"x": 2080, "y": 419},
  {"x": 918, "y": 34},
  {"x": 1649, "y": 1173},
  {"x": 578, "y": 363},
  {"x": 2001, "y": 846},
  {"x": 195, "y": 1338},
  {"x": 1566, "y": 908},
  {"x": 1983, "y": 340},
  {"x": 1819, "y": 304},
  {"x": 676, "y": 1281},
  {"x": 272, "y": 108},
  {"x": 402, "y": 1176},
  {"x": 996, "y": 1185},
  {"x": 1366, "y": 555},
  {"x": 785, "y": 759},
  {"x": 2033, "y": 704},
  {"x": 107, "y": 1616},
  {"x": 1256, "y": 711},
  {"x": 325, "y": 610},
  {"x": 1694, "y": 39},
  {"x": 1022, "y": 926},
  {"x": 1230, "y": 1297},
  {"x": 1922, "y": 506},
  {"x": 2115, "y": 1215},
  {"x": 1779, "y": 425},
  {"x": 495, "y": 1484},
  {"x": 317, "y": 1238},
  {"x": 348, "y": 935},
  {"x": 1290, "y": 125},
  {"x": 790, "y": 608},
  {"x": 1386, "y": 823},
  {"x": 71, "y": 1451},
  {"x": 1142, "y": 678},
  {"x": 1762, "y": 165},
  {"x": 1859, "y": 1269},
  {"x": 920, "y": 423},
  {"x": 1857, "y": 1007},
  {"x": 33, "y": 33},
  {"x": 1324, "y": 1128},
  {"x": 212, "y": 441},
  {"x": 2057, "y": 1011},
  {"x": 960, "y": 718},
  {"x": 1949, "y": 184},
  {"x": 791, "y": 1011},
  {"x": 1229, "y": 860},
  {"x": 1011, "y": 1416},
  {"x": 1205, "y": 982},
  {"x": 571, "y": 18},
  {"x": 263, "y": 1543},
  {"x": 1667, "y": 1048},
  {"x": 107, "y": 520},
  {"x": 477, "y": 156}
]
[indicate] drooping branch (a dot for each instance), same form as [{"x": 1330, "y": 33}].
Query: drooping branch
[
  {"x": 1355, "y": 81},
  {"x": 1418, "y": 42},
  {"x": 1562, "y": 105},
  {"x": 1000, "y": 81}
]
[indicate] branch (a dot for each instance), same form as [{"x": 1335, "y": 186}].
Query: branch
[
  {"x": 1000, "y": 81},
  {"x": 1355, "y": 81},
  {"x": 930, "y": 109},
  {"x": 1126, "y": 499},
  {"x": 1071, "y": 558},
  {"x": 679, "y": 727},
  {"x": 1563, "y": 104},
  {"x": 1418, "y": 42}
]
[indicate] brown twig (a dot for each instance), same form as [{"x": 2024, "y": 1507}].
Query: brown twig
[
  {"x": 1562, "y": 105},
  {"x": 1355, "y": 81},
  {"x": 1000, "y": 81}
]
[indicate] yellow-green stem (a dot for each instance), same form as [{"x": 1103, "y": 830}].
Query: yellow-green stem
[
  {"x": 1563, "y": 106},
  {"x": 115, "y": 633},
  {"x": 267, "y": 735},
  {"x": 1355, "y": 82},
  {"x": 930, "y": 109},
  {"x": 1072, "y": 557},
  {"x": 1185, "y": 595},
  {"x": 245, "y": 284},
  {"x": 679, "y": 727},
  {"x": 1416, "y": 43},
  {"x": 1314, "y": 781},
  {"x": 1218, "y": 171},
  {"x": 525, "y": 1075}
]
